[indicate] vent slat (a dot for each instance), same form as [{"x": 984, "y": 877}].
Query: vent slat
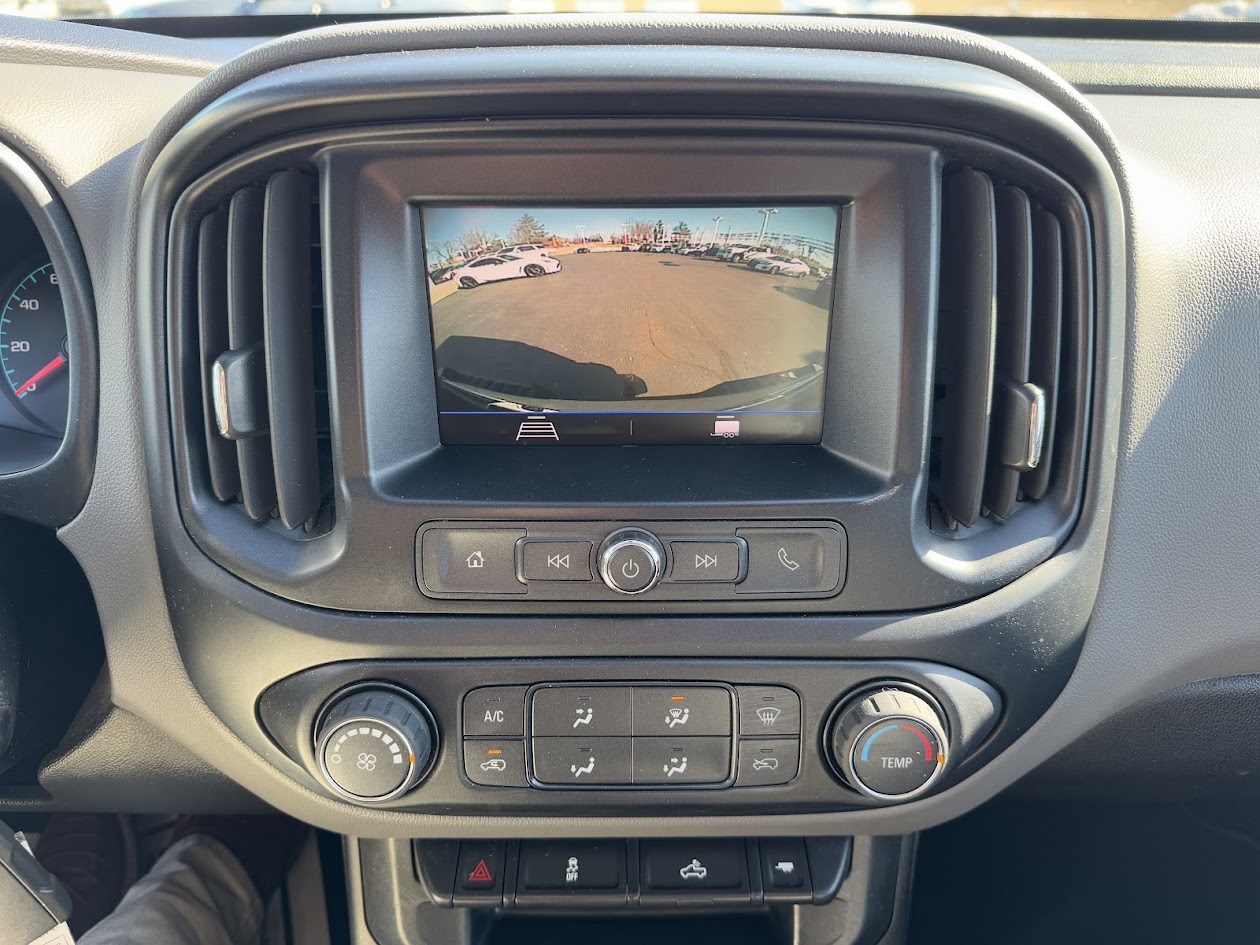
[
  {"x": 1015, "y": 291},
  {"x": 1008, "y": 333},
  {"x": 212, "y": 339},
  {"x": 289, "y": 346},
  {"x": 1047, "y": 338},
  {"x": 965, "y": 345},
  {"x": 245, "y": 328}
]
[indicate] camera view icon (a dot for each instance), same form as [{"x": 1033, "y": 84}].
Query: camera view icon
[
  {"x": 537, "y": 428},
  {"x": 726, "y": 427}
]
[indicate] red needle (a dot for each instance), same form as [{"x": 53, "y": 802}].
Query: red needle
[{"x": 47, "y": 369}]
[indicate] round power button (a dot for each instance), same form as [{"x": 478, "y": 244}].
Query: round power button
[{"x": 631, "y": 560}]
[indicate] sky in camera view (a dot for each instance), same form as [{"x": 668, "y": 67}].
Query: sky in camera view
[{"x": 448, "y": 224}]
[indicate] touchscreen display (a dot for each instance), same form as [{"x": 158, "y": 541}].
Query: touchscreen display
[{"x": 681, "y": 325}]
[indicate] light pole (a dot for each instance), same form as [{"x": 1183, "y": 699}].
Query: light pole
[
  {"x": 717, "y": 229},
  {"x": 581, "y": 233},
  {"x": 765, "y": 220}
]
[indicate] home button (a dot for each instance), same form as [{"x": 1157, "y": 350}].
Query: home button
[{"x": 469, "y": 560}]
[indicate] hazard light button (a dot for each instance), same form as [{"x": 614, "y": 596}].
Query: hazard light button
[{"x": 479, "y": 876}]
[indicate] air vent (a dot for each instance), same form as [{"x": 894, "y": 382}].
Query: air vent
[
  {"x": 260, "y": 342},
  {"x": 1005, "y": 390}
]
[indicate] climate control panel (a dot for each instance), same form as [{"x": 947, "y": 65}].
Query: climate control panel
[{"x": 582, "y": 736}]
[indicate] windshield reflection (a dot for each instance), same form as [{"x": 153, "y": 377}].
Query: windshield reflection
[{"x": 1224, "y": 10}]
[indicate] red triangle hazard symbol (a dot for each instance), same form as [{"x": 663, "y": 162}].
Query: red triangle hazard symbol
[{"x": 481, "y": 874}]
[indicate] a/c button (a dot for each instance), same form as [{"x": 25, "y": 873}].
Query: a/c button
[{"x": 495, "y": 711}]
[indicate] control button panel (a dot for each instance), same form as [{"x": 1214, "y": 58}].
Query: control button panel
[
  {"x": 606, "y": 561},
  {"x": 651, "y": 874},
  {"x": 631, "y": 735}
]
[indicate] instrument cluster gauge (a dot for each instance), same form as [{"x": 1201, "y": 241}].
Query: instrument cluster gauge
[{"x": 33, "y": 347}]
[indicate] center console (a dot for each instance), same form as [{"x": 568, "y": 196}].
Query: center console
[{"x": 705, "y": 458}]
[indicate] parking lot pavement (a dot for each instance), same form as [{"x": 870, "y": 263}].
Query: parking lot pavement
[{"x": 679, "y": 323}]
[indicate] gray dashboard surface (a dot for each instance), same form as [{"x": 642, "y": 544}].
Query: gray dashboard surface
[{"x": 1178, "y": 600}]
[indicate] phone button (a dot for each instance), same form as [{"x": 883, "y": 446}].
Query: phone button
[{"x": 793, "y": 560}]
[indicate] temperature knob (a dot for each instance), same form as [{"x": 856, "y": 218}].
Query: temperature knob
[
  {"x": 374, "y": 744},
  {"x": 888, "y": 743},
  {"x": 631, "y": 560}
]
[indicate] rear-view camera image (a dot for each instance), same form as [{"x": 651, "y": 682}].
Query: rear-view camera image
[{"x": 570, "y": 326}]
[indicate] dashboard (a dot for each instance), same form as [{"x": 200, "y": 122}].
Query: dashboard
[{"x": 792, "y": 429}]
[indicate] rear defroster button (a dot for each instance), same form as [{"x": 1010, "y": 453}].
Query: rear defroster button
[{"x": 631, "y": 561}]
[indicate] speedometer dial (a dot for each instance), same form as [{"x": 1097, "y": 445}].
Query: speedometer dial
[{"x": 33, "y": 352}]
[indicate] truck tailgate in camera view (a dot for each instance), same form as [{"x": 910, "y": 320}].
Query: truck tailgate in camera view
[{"x": 565, "y": 326}]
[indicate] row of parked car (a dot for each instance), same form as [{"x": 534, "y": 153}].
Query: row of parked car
[
  {"x": 757, "y": 258},
  {"x": 528, "y": 260}
]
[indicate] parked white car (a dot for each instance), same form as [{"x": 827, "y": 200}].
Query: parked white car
[
  {"x": 780, "y": 266},
  {"x": 502, "y": 266},
  {"x": 741, "y": 252},
  {"x": 524, "y": 249}
]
